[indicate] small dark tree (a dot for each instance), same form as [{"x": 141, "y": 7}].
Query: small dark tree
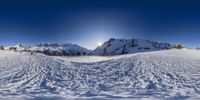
[
  {"x": 104, "y": 52},
  {"x": 1, "y": 48},
  {"x": 84, "y": 53},
  {"x": 78, "y": 53},
  {"x": 133, "y": 43},
  {"x": 124, "y": 50}
]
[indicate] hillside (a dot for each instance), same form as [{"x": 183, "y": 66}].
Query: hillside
[
  {"x": 150, "y": 75},
  {"x": 109, "y": 48},
  {"x": 128, "y": 46},
  {"x": 53, "y": 49}
]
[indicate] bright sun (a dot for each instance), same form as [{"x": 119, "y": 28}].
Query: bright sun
[{"x": 99, "y": 43}]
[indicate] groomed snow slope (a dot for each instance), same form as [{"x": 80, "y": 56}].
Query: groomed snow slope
[{"x": 157, "y": 75}]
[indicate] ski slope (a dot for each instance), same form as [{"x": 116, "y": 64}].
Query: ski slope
[{"x": 167, "y": 74}]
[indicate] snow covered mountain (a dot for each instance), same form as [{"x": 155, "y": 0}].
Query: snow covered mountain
[
  {"x": 53, "y": 49},
  {"x": 127, "y": 46},
  {"x": 109, "y": 48},
  {"x": 21, "y": 47},
  {"x": 18, "y": 47},
  {"x": 149, "y": 75}
]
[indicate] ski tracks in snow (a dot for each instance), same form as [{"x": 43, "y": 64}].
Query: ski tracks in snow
[{"x": 161, "y": 74}]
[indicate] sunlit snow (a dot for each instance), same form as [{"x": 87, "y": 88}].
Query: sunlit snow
[{"x": 167, "y": 74}]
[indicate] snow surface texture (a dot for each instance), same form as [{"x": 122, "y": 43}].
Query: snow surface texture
[
  {"x": 128, "y": 46},
  {"x": 167, "y": 74}
]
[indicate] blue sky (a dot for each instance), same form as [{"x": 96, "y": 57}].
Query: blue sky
[{"x": 87, "y": 22}]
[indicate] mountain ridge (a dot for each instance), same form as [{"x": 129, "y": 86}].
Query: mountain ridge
[
  {"x": 127, "y": 46},
  {"x": 109, "y": 48}
]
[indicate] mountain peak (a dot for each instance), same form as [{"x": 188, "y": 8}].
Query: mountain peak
[{"x": 126, "y": 46}]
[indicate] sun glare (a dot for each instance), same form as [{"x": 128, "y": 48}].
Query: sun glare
[{"x": 99, "y": 43}]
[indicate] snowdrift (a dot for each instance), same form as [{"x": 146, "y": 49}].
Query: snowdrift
[{"x": 160, "y": 74}]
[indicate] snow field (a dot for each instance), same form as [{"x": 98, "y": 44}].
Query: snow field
[{"x": 160, "y": 74}]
